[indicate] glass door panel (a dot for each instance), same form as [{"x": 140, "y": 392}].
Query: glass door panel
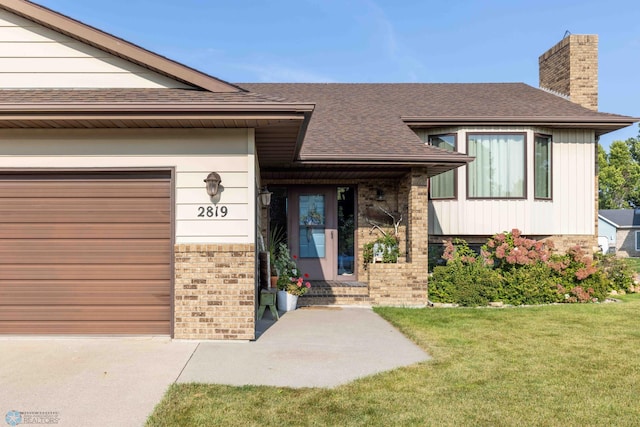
[
  {"x": 312, "y": 226},
  {"x": 346, "y": 233}
]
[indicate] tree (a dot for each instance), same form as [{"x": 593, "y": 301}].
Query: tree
[
  {"x": 634, "y": 146},
  {"x": 619, "y": 175}
]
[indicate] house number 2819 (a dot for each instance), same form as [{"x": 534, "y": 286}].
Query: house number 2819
[{"x": 212, "y": 211}]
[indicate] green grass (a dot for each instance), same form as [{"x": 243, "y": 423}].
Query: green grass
[
  {"x": 562, "y": 365},
  {"x": 634, "y": 263}
]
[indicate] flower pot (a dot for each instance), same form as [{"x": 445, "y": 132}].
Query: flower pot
[
  {"x": 274, "y": 282},
  {"x": 286, "y": 301}
]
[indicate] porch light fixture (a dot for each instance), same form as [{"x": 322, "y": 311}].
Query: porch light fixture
[
  {"x": 379, "y": 195},
  {"x": 265, "y": 197},
  {"x": 213, "y": 184}
]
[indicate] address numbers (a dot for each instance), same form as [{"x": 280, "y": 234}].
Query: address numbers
[{"x": 212, "y": 211}]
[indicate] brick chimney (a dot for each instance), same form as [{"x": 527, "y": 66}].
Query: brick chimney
[{"x": 570, "y": 68}]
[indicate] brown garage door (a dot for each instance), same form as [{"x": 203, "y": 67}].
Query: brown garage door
[{"x": 85, "y": 253}]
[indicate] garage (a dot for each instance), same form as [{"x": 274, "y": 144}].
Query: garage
[{"x": 86, "y": 252}]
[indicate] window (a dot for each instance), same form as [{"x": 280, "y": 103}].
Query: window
[
  {"x": 443, "y": 186},
  {"x": 498, "y": 171},
  {"x": 637, "y": 240},
  {"x": 542, "y": 167}
]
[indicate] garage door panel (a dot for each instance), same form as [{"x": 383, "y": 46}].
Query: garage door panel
[
  {"x": 94, "y": 251},
  {"x": 85, "y": 230},
  {"x": 83, "y": 327},
  {"x": 84, "y": 293},
  {"x": 78, "y": 189},
  {"x": 83, "y": 313},
  {"x": 85, "y": 252},
  {"x": 84, "y": 211},
  {"x": 80, "y": 272}
]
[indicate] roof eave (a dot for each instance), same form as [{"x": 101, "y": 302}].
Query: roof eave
[
  {"x": 600, "y": 125},
  {"x": 117, "y": 46},
  {"x": 33, "y": 111},
  {"x": 384, "y": 160}
]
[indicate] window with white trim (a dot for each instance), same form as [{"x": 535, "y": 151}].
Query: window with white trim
[
  {"x": 542, "y": 167},
  {"x": 499, "y": 168},
  {"x": 443, "y": 186}
]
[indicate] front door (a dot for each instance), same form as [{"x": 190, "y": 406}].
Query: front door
[{"x": 321, "y": 226}]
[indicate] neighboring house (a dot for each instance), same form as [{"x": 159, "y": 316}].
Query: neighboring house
[
  {"x": 621, "y": 229},
  {"x": 106, "y": 225}
]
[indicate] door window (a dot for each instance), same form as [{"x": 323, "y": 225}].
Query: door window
[{"x": 312, "y": 226}]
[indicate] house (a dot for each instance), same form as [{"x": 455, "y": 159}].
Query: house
[
  {"x": 619, "y": 231},
  {"x": 130, "y": 184}
]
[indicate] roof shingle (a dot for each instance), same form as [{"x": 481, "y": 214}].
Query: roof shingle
[{"x": 366, "y": 119}]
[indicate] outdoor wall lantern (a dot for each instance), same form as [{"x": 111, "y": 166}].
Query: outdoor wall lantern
[
  {"x": 379, "y": 195},
  {"x": 213, "y": 184},
  {"x": 265, "y": 197}
]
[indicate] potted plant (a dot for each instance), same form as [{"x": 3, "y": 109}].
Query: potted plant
[
  {"x": 290, "y": 284},
  {"x": 288, "y": 293}
]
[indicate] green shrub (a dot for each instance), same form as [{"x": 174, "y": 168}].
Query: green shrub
[
  {"x": 617, "y": 271},
  {"x": 464, "y": 280},
  {"x": 530, "y": 284},
  {"x": 466, "y": 284},
  {"x": 517, "y": 271}
]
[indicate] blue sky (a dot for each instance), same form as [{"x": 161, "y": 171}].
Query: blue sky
[{"x": 378, "y": 40}]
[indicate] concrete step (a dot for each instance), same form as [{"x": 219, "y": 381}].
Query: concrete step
[{"x": 335, "y": 293}]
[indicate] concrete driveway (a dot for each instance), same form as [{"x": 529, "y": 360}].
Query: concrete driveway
[{"x": 89, "y": 381}]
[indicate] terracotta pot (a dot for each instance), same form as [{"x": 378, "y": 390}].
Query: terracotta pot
[{"x": 274, "y": 281}]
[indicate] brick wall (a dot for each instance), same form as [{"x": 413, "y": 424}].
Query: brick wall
[
  {"x": 405, "y": 283},
  {"x": 214, "y": 291},
  {"x": 571, "y": 68}
]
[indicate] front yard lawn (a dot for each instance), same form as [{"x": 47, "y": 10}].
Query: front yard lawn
[
  {"x": 560, "y": 365},
  {"x": 634, "y": 263}
]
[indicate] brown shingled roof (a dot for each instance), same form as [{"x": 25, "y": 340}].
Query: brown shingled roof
[
  {"x": 370, "y": 121},
  {"x": 127, "y": 96}
]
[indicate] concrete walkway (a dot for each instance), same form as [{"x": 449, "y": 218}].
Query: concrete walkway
[
  {"x": 309, "y": 347},
  {"x": 118, "y": 381}
]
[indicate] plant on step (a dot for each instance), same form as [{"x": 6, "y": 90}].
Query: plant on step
[
  {"x": 297, "y": 286},
  {"x": 284, "y": 263},
  {"x": 276, "y": 240},
  {"x": 289, "y": 279}
]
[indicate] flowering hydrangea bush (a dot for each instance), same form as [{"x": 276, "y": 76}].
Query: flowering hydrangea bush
[{"x": 517, "y": 270}]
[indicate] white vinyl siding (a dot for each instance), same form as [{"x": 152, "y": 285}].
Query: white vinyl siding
[
  {"x": 571, "y": 212},
  {"x": 194, "y": 153},
  {"x": 32, "y": 56}
]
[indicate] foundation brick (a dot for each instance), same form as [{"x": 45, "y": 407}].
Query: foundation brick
[{"x": 215, "y": 299}]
